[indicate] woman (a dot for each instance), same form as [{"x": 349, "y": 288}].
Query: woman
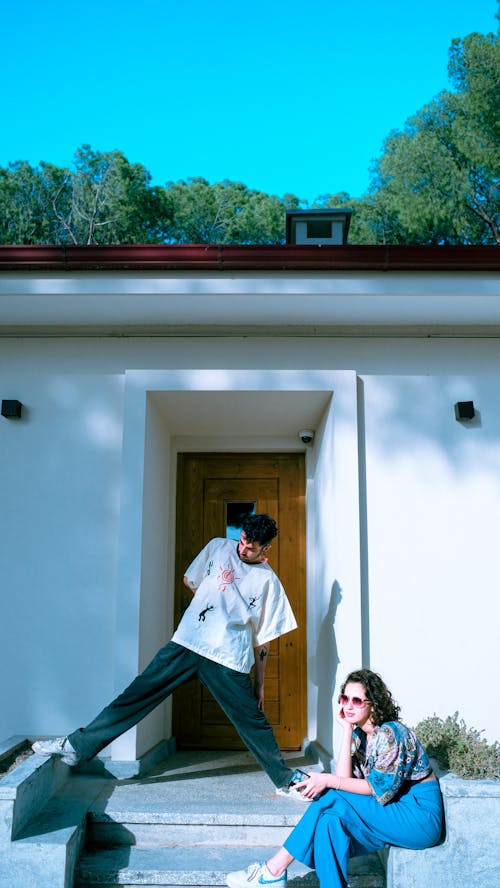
[{"x": 383, "y": 793}]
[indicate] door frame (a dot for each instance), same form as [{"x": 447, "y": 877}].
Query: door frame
[{"x": 146, "y": 495}]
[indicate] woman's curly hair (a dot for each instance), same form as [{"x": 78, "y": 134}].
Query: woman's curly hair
[{"x": 384, "y": 707}]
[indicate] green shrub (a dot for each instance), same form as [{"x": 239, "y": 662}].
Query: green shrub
[{"x": 458, "y": 748}]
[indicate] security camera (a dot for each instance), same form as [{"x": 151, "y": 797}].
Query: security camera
[{"x": 306, "y": 436}]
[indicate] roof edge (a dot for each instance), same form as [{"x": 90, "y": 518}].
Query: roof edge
[{"x": 254, "y": 257}]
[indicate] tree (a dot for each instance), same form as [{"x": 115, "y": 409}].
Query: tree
[
  {"x": 440, "y": 177},
  {"x": 373, "y": 221},
  {"x": 112, "y": 201},
  {"x": 436, "y": 182},
  {"x": 227, "y": 212},
  {"x": 26, "y": 196},
  {"x": 104, "y": 199}
]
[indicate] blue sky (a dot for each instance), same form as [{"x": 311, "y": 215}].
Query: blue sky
[{"x": 284, "y": 96}]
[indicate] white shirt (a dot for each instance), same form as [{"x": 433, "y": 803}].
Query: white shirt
[{"x": 236, "y": 607}]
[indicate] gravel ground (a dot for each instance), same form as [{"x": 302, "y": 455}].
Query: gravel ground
[{"x": 10, "y": 762}]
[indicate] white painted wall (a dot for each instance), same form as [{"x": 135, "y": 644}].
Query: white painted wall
[
  {"x": 60, "y": 502},
  {"x": 86, "y": 586},
  {"x": 433, "y": 490}
]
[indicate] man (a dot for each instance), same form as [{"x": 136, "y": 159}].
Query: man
[{"x": 239, "y": 607}]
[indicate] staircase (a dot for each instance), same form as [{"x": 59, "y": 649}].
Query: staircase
[
  {"x": 185, "y": 825},
  {"x": 189, "y": 823}
]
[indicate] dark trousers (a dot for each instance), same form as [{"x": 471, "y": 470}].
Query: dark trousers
[{"x": 172, "y": 666}]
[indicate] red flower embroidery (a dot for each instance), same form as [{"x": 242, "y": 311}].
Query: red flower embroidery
[{"x": 227, "y": 577}]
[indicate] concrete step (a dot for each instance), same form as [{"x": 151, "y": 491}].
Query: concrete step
[
  {"x": 196, "y": 867},
  {"x": 220, "y": 805},
  {"x": 196, "y": 827}
]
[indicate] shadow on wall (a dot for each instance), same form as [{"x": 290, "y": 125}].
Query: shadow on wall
[
  {"x": 404, "y": 411},
  {"x": 64, "y": 462},
  {"x": 433, "y": 511},
  {"x": 325, "y": 665}
]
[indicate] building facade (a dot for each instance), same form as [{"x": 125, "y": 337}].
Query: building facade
[{"x": 134, "y": 364}]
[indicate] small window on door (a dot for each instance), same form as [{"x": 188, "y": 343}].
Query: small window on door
[{"x": 235, "y": 516}]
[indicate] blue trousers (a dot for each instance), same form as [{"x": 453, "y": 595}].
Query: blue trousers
[
  {"x": 341, "y": 825},
  {"x": 172, "y": 666}
]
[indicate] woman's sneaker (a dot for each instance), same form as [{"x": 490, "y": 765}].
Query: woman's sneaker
[
  {"x": 59, "y": 746},
  {"x": 256, "y": 874}
]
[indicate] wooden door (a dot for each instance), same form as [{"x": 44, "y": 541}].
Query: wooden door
[{"x": 211, "y": 487}]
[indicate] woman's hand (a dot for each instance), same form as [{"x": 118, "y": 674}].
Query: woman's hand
[
  {"x": 341, "y": 719},
  {"x": 314, "y": 785},
  {"x": 344, "y": 763}
]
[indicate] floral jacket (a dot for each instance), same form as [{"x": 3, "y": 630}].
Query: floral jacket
[{"x": 392, "y": 755}]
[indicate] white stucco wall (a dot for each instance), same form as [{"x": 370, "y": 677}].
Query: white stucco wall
[
  {"x": 433, "y": 492},
  {"x": 60, "y": 505},
  {"x": 83, "y": 571}
]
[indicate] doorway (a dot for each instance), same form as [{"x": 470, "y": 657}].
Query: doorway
[{"x": 213, "y": 492}]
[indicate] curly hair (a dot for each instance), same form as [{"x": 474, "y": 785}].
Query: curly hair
[
  {"x": 377, "y": 692},
  {"x": 259, "y": 528}
]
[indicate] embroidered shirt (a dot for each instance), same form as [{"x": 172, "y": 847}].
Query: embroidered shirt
[
  {"x": 392, "y": 755},
  {"x": 236, "y": 607}
]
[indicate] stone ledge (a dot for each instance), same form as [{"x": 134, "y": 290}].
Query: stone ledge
[
  {"x": 25, "y": 790},
  {"x": 46, "y": 848},
  {"x": 468, "y": 854}
]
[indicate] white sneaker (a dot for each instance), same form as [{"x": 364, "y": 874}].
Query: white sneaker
[
  {"x": 59, "y": 746},
  {"x": 255, "y": 874},
  {"x": 291, "y": 792}
]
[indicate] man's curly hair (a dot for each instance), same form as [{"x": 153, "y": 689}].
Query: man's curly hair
[
  {"x": 259, "y": 529},
  {"x": 376, "y": 691}
]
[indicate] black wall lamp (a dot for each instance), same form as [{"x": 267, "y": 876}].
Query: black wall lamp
[
  {"x": 464, "y": 410},
  {"x": 12, "y": 409}
]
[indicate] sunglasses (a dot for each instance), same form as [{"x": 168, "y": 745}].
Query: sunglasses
[{"x": 357, "y": 702}]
